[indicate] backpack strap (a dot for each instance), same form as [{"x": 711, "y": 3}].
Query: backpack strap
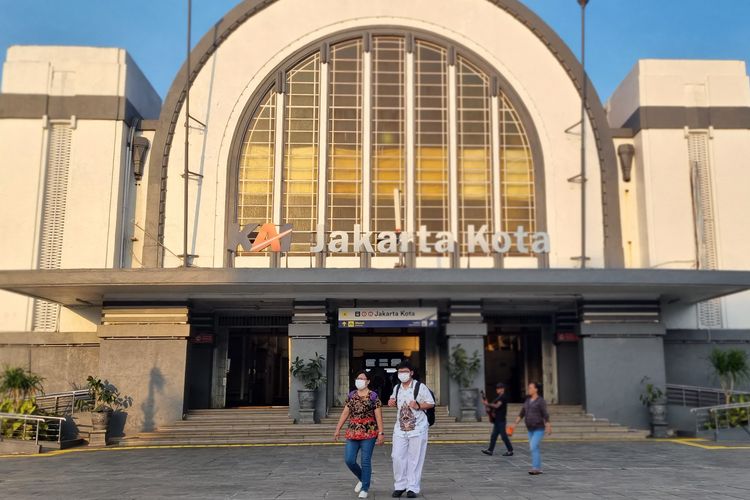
[{"x": 417, "y": 386}]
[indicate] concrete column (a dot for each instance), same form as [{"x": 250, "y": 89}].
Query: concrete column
[
  {"x": 468, "y": 331},
  {"x": 308, "y": 334},
  {"x": 143, "y": 352},
  {"x": 615, "y": 358}
]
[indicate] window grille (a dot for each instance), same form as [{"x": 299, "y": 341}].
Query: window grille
[
  {"x": 46, "y": 314},
  {"x": 709, "y": 312}
]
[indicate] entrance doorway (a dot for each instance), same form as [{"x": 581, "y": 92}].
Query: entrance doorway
[
  {"x": 379, "y": 351},
  {"x": 258, "y": 368},
  {"x": 513, "y": 356}
]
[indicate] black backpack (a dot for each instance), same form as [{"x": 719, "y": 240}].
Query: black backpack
[{"x": 431, "y": 412}]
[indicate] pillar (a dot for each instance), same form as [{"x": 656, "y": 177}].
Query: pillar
[
  {"x": 616, "y": 356},
  {"x": 467, "y": 329},
  {"x": 143, "y": 353},
  {"x": 308, "y": 335}
]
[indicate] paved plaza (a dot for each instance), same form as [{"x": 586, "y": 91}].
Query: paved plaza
[{"x": 642, "y": 470}]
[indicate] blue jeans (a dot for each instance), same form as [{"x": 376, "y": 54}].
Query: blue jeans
[
  {"x": 351, "y": 449},
  {"x": 535, "y": 439}
]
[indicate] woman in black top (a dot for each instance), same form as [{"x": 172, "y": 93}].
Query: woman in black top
[
  {"x": 537, "y": 422},
  {"x": 498, "y": 410}
]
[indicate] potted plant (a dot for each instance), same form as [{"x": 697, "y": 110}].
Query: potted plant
[
  {"x": 730, "y": 367},
  {"x": 654, "y": 399},
  {"x": 105, "y": 400},
  {"x": 310, "y": 373},
  {"x": 462, "y": 369}
]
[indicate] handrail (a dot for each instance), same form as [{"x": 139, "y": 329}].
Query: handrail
[
  {"x": 69, "y": 399},
  {"x": 712, "y": 413},
  {"x": 33, "y": 418},
  {"x": 695, "y": 396}
]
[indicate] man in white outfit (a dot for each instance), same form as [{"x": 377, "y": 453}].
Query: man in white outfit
[{"x": 412, "y": 399}]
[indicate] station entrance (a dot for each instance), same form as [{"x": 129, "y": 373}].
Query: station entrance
[{"x": 380, "y": 350}]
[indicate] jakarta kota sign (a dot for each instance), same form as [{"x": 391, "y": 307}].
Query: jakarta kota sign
[
  {"x": 387, "y": 317},
  {"x": 257, "y": 237}
]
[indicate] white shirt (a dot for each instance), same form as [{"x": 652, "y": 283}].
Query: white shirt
[{"x": 416, "y": 419}]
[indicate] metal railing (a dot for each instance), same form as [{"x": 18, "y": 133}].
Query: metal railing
[
  {"x": 694, "y": 396},
  {"x": 63, "y": 403},
  {"x": 27, "y": 427},
  {"x": 718, "y": 417}
]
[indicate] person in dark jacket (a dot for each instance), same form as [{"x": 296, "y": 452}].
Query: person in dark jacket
[
  {"x": 535, "y": 412},
  {"x": 499, "y": 411}
]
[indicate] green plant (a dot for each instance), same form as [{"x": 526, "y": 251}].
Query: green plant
[
  {"x": 15, "y": 428},
  {"x": 106, "y": 396},
  {"x": 463, "y": 368},
  {"x": 18, "y": 384},
  {"x": 730, "y": 367},
  {"x": 310, "y": 373},
  {"x": 652, "y": 393}
]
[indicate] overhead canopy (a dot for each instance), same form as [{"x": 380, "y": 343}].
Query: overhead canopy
[{"x": 93, "y": 287}]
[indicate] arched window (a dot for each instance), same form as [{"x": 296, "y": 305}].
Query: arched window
[{"x": 382, "y": 132}]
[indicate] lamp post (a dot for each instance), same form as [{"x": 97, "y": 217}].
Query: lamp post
[
  {"x": 186, "y": 170},
  {"x": 584, "y": 99}
]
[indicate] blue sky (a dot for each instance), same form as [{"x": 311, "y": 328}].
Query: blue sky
[{"x": 619, "y": 31}]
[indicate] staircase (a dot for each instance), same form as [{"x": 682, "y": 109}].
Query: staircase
[{"x": 273, "y": 426}]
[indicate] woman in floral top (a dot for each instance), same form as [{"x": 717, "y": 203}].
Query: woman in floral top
[{"x": 364, "y": 431}]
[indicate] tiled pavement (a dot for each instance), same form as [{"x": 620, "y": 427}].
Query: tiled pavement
[{"x": 640, "y": 470}]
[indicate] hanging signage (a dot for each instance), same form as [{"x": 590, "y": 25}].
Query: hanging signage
[{"x": 388, "y": 317}]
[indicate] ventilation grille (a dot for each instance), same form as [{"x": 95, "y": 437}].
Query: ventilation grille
[
  {"x": 709, "y": 312},
  {"x": 46, "y": 314}
]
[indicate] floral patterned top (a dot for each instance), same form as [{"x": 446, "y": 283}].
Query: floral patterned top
[{"x": 362, "y": 423}]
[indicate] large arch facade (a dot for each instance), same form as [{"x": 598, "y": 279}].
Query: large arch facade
[{"x": 233, "y": 61}]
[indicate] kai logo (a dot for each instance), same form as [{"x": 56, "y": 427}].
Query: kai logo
[{"x": 257, "y": 237}]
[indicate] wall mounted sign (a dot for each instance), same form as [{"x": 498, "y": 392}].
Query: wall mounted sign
[
  {"x": 566, "y": 337},
  {"x": 388, "y": 317},
  {"x": 257, "y": 238},
  {"x": 203, "y": 338}
]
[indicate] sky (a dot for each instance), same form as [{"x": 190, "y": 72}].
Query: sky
[{"x": 619, "y": 32}]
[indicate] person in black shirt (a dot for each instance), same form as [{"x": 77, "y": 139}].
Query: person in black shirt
[{"x": 498, "y": 411}]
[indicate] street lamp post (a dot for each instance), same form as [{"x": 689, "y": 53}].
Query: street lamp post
[{"x": 584, "y": 99}]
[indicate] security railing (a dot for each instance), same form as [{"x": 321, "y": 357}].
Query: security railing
[
  {"x": 63, "y": 403},
  {"x": 722, "y": 417},
  {"x": 38, "y": 428},
  {"x": 694, "y": 396}
]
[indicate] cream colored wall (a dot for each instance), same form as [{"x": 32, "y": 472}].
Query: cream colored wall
[
  {"x": 661, "y": 175},
  {"x": 92, "y": 228},
  {"x": 233, "y": 73}
]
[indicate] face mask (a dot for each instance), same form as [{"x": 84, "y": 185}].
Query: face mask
[
  {"x": 360, "y": 384},
  {"x": 404, "y": 377}
]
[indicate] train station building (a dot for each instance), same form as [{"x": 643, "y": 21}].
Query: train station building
[{"x": 371, "y": 182}]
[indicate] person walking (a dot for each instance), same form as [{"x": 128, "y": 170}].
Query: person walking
[
  {"x": 365, "y": 430},
  {"x": 498, "y": 411},
  {"x": 413, "y": 399},
  {"x": 535, "y": 412}
]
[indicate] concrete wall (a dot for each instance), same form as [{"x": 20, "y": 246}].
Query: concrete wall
[
  {"x": 687, "y": 351},
  {"x": 614, "y": 367},
  {"x": 63, "y": 367},
  {"x": 152, "y": 373}
]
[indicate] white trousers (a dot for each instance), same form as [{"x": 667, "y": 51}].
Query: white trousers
[{"x": 408, "y": 459}]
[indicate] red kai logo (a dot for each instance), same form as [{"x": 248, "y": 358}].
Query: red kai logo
[{"x": 257, "y": 237}]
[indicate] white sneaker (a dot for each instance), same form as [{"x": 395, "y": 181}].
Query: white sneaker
[
  {"x": 358, "y": 488},
  {"x": 362, "y": 494}
]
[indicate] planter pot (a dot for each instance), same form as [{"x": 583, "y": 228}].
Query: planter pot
[
  {"x": 658, "y": 411},
  {"x": 469, "y": 398},
  {"x": 306, "y": 399},
  {"x": 100, "y": 420}
]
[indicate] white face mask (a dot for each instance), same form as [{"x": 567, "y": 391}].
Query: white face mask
[
  {"x": 404, "y": 377},
  {"x": 360, "y": 384}
]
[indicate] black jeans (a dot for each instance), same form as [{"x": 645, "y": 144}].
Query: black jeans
[{"x": 498, "y": 429}]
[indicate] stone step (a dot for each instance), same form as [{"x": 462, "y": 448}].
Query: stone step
[
  {"x": 434, "y": 439},
  {"x": 273, "y": 426}
]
